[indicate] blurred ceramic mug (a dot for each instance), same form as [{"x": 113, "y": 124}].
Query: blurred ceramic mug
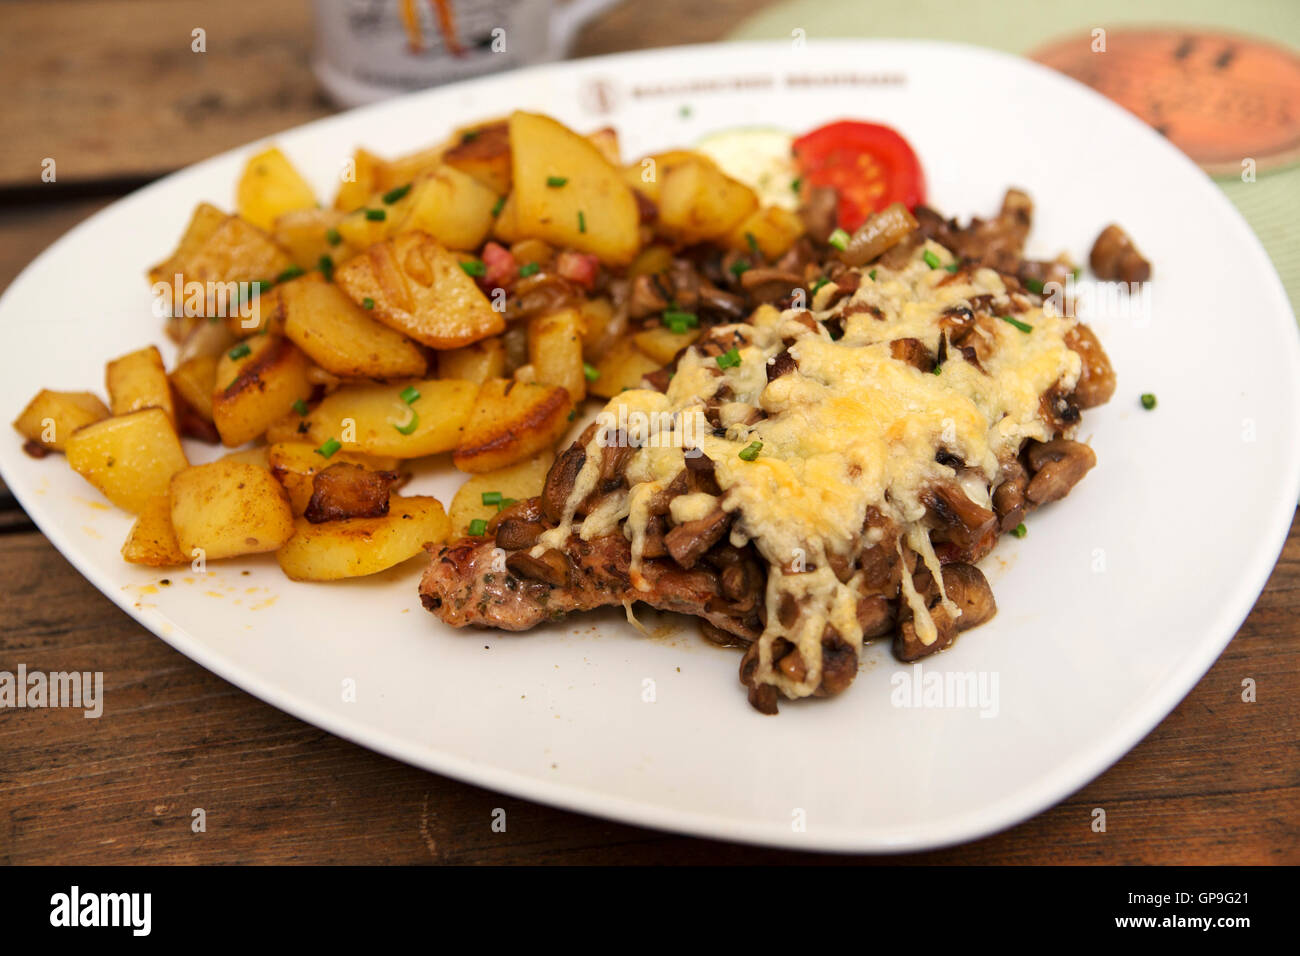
[{"x": 367, "y": 50}]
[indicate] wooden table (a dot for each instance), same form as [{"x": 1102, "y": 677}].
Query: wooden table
[{"x": 109, "y": 89}]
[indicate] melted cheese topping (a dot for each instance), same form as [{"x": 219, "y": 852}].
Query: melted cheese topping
[{"x": 851, "y": 428}]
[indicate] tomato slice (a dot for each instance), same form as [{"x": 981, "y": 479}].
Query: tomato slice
[{"x": 868, "y": 165}]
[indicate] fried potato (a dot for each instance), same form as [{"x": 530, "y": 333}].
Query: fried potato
[
  {"x": 451, "y": 206},
  {"x": 697, "y": 201},
  {"x": 773, "y": 228},
  {"x": 555, "y": 351},
  {"x": 310, "y": 234},
  {"x": 360, "y": 180},
  {"x": 269, "y": 187},
  {"x": 513, "y": 483},
  {"x": 621, "y": 368},
  {"x": 647, "y": 173},
  {"x": 484, "y": 154},
  {"x": 51, "y": 417},
  {"x": 130, "y": 458},
  {"x": 204, "y": 222},
  {"x": 258, "y": 455},
  {"x": 511, "y": 421},
  {"x": 227, "y": 508},
  {"x": 194, "y": 381},
  {"x": 341, "y": 337},
  {"x": 598, "y": 327},
  {"x": 151, "y": 540},
  {"x": 506, "y": 227},
  {"x": 662, "y": 344},
  {"x": 257, "y": 382},
  {"x": 418, "y": 288},
  {"x": 367, "y": 418},
  {"x": 295, "y": 465},
  {"x": 360, "y": 546},
  {"x": 138, "y": 380},
  {"x": 474, "y": 363},
  {"x": 236, "y": 251},
  {"x": 569, "y": 194}
]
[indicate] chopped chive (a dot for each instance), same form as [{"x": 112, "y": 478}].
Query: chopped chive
[
  {"x": 333, "y": 237},
  {"x": 582, "y": 221},
  {"x": 684, "y": 112},
  {"x": 796, "y": 184},
  {"x": 410, "y": 426},
  {"x": 506, "y": 503},
  {"x": 473, "y": 267},
  {"x": 1078, "y": 271},
  {"x": 839, "y": 239},
  {"x": 590, "y": 371},
  {"x": 753, "y": 244},
  {"x": 1034, "y": 285},
  {"x": 680, "y": 321},
  {"x": 498, "y": 205},
  {"x": 1020, "y": 530},
  {"x": 818, "y": 284},
  {"x": 1148, "y": 401},
  {"x": 555, "y": 182},
  {"x": 290, "y": 273},
  {"x": 573, "y": 413},
  {"x": 750, "y": 451},
  {"x": 367, "y": 303},
  {"x": 239, "y": 351},
  {"x": 739, "y": 267},
  {"x": 469, "y": 135},
  {"x": 930, "y": 258},
  {"x": 528, "y": 269},
  {"x": 954, "y": 266},
  {"x": 938, "y": 369},
  {"x": 410, "y": 394},
  {"x": 729, "y": 358},
  {"x": 1022, "y": 326},
  {"x": 326, "y": 268},
  {"x": 477, "y": 528},
  {"x": 872, "y": 274},
  {"x": 393, "y": 195},
  {"x": 300, "y": 407},
  {"x": 376, "y": 215},
  {"x": 491, "y": 497},
  {"x": 328, "y": 449}
]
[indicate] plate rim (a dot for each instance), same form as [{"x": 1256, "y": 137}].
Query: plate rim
[{"x": 1085, "y": 765}]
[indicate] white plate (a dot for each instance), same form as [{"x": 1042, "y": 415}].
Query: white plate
[{"x": 1114, "y": 605}]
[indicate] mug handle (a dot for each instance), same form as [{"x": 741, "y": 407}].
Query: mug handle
[{"x": 568, "y": 19}]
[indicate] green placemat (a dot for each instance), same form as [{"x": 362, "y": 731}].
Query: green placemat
[{"x": 1271, "y": 204}]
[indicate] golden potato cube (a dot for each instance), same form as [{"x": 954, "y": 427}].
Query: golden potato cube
[
  {"x": 418, "y": 288},
  {"x": 151, "y": 541},
  {"x": 269, "y": 187},
  {"x": 361, "y": 181},
  {"x": 228, "y": 508},
  {"x": 621, "y": 368},
  {"x": 130, "y": 458},
  {"x": 375, "y": 419},
  {"x": 555, "y": 351},
  {"x": 341, "y": 337},
  {"x": 513, "y": 483},
  {"x": 474, "y": 363},
  {"x": 204, "y": 222},
  {"x": 663, "y": 344},
  {"x": 355, "y": 547},
  {"x": 51, "y": 417},
  {"x": 257, "y": 382},
  {"x": 484, "y": 153},
  {"x": 194, "y": 380},
  {"x": 511, "y": 421},
  {"x": 138, "y": 380},
  {"x": 773, "y": 228},
  {"x": 697, "y": 201},
  {"x": 306, "y": 235},
  {"x": 451, "y": 206}
]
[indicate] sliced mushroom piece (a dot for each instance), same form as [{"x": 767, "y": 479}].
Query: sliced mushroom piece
[
  {"x": 882, "y": 231},
  {"x": 762, "y": 697},
  {"x": 967, "y": 587},
  {"x": 560, "y": 480},
  {"x": 687, "y": 542},
  {"x": 913, "y": 352},
  {"x": 1114, "y": 256},
  {"x": 550, "y": 568},
  {"x": 1058, "y": 466},
  {"x": 1096, "y": 376}
]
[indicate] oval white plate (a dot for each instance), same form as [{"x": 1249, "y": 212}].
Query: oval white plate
[{"x": 1114, "y": 605}]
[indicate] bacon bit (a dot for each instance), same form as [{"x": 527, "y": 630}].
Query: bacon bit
[
  {"x": 579, "y": 267},
  {"x": 35, "y": 449},
  {"x": 501, "y": 266}
]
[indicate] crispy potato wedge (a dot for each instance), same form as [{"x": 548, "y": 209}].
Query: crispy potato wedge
[
  {"x": 151, "y": 540},
  {"x": 366, "y": 418},
  {"x": 406, "y": 169},
  {"x": 506, "y": 227},
  {"x": 257, "y": 383},
  {"x": 598, "y": 327},
  {"x": 51, "y": 417},
  {"x": 359, "y": 546},
  {"x": 774, "y": 229},
  {"x": 310, "y": 234},
  {"x": 418, "y": 288},
  {"x": 138, "y": 380},
  {"x": 269, "y": 187},
  {"x": 228, "y": 508},
  {"x": 236, "y": 251},
  {"x": 130, "y": 458},
  {"x": 204, "y": 222},
  {"x": 341, "y": 337},
  {"x": 647, "y": 173},
  {"x": 663, "y": 344},
  {"x": 511, "y": 421},
  {"x": 569, "y": 194},
  {"x": 359, "y": 181},
  {"x": 194, "y": 381},
  {"x": 555, "y": 351},
  {"x": 697, "y": 201},
  {"x": 258, "y": 455},
  {"x": 295, "y": 465},
  {"x": 474, "y": 363},
  {"x": 622, "y": 367},
  {"x": 451, "y": 206},
  {"x": 513, "y": 483},
  {"x": 484, "y": 154}
]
